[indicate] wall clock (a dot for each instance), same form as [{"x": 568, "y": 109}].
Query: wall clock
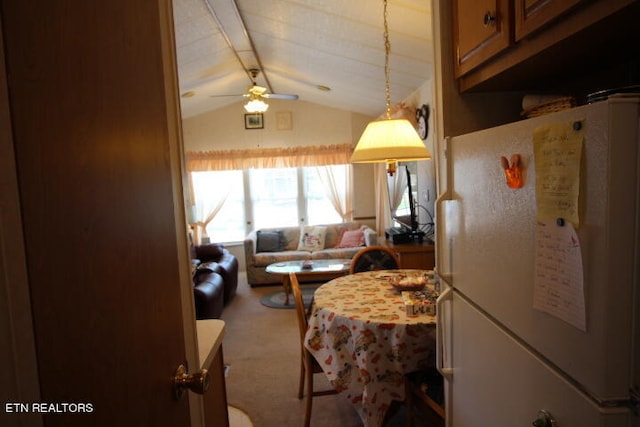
[{"x": 422, "y": 117}]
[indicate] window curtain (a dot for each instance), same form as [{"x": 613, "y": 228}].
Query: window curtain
[
  {"x": 397, "y": 185},
  {"x": 303, "y": 156},
  {"x": 342, "y": 201},
  {"x": 316, "y": 155},
  {"x": 202, "y": 213},
  {"x": 200, "y": 225}
]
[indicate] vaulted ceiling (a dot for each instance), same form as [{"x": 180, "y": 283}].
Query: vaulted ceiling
[{"x": 302, "y": 47}]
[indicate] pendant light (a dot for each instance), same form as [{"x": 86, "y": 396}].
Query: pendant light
[{"x": 389, "y": 140}]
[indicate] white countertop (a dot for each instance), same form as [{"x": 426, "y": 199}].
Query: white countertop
[{"x": 210, "y": 334}]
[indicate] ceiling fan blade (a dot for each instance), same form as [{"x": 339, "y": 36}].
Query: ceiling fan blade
[
  {"x": 279, "y": 96},
  {"x": 245, "y": 95},
  {"x": 256, "y": 92}
]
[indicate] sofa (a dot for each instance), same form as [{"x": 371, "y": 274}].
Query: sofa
[
  {"x": 215, "y": 279},
  {"x": 271, "y": 245}
]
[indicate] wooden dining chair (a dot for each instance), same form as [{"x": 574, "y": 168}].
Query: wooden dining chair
[
  {"x": 424, "y": 392},
  {"x": 374, "y": 258},
  {"x": 309, "y": 365}
]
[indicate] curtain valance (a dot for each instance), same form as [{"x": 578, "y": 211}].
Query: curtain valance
[{"x": 302, "y": 156}]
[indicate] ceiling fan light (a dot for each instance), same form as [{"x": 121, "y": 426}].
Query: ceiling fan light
[{"x": 256, "y": 106}]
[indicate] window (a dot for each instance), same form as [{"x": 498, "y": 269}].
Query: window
[
  {"x": 320, "y": 210},
  {"x": 274, "y": 197},
  {"x": 265, "y": 198}
]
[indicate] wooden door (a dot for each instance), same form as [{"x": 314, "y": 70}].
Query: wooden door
[
  {"x": 531, "y": 15},
  {"x": 19, "y": 378},
  {"x": 92, "y": 100},
  {"x": 481, "y": 29}
]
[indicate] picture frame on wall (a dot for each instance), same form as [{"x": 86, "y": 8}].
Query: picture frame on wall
[
  {"x": 253, "y": 121},
  {"x": 283, "y": 120}
]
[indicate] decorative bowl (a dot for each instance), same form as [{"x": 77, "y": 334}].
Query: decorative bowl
[{"x": 408, "y": 282}]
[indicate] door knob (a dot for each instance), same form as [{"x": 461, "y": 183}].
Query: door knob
[
  {"x": 197, "y": 383},
  {"x": 489, "y": 19},
  {"x": 544, "y": 419}
]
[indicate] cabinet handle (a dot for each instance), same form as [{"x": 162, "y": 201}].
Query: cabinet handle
[{"x": 489, "y": 19}]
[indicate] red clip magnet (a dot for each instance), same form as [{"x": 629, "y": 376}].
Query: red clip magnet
[{"x": 513, "y": 171}]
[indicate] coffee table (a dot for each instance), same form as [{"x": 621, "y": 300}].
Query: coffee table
[{"x": 321, "y": 269}]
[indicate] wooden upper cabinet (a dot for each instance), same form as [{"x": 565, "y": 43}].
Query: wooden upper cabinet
[
  {"x": 530, "y": 15},
  {"x": 482, "y": 29}
]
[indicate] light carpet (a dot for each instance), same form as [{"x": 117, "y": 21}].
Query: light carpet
[{"x": 262, "y": 348}]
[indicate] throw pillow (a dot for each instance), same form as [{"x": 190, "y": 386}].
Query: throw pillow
[
  {"x": 269, "y": 241},
  {"x": 351, "y": 239},
  {"x": 312, "y": 238}
]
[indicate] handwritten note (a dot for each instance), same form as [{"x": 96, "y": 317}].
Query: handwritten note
[
  {"x": 558, "y": 285},
  {"x": 557, "y": 151}
]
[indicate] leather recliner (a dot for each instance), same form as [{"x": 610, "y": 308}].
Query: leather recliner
[
  {"x": 215, "y": 279},
  {"x": 208, "y": 293}
]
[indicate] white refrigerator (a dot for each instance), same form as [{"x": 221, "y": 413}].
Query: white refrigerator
[{"x": 539, "y": 315}]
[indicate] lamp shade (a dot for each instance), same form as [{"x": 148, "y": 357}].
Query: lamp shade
[{"x": 388, "y": 141}]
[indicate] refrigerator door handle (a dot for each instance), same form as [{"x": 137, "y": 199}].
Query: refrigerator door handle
[
  {"x": 440, "y": 220},
  {"x": 443, "y": 333},
  {"x": 443, "y": 345}
]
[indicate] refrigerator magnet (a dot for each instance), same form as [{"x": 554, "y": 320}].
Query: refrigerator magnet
[{"x": 513, "y": 171}]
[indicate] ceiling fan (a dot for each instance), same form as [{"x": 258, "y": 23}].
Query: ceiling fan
[{"x": 257, "y": 93}]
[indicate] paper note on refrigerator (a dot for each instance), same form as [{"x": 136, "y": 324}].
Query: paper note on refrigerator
[
  {"x": 558, "y": 283},
  {"x": 557, "y": 150}
]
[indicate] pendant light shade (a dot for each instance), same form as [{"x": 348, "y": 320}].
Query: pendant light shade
[{"x": 389, "y": 140}]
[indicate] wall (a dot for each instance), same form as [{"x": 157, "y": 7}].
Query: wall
[{"x": 312, "y": 124}]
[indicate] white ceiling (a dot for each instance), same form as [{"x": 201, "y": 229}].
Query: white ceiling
[{"x": 301, "y": 44}]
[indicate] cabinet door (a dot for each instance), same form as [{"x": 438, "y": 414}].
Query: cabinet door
[
  {"x": 531, "y": 15},
  {"x": 481, "y": 30}
]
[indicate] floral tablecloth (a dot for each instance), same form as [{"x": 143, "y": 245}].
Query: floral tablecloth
[{"x": 362, "y": 337}]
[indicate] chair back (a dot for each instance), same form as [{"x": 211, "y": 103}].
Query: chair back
[
  {"x": 300, "y": 310},
  {"x": 374, "y": 258}
]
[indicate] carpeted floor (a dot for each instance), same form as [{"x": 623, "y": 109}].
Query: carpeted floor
[{"x": 262, "y": 348}]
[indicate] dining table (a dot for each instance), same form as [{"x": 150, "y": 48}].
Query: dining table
[{"x": 364, "y": 340}]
